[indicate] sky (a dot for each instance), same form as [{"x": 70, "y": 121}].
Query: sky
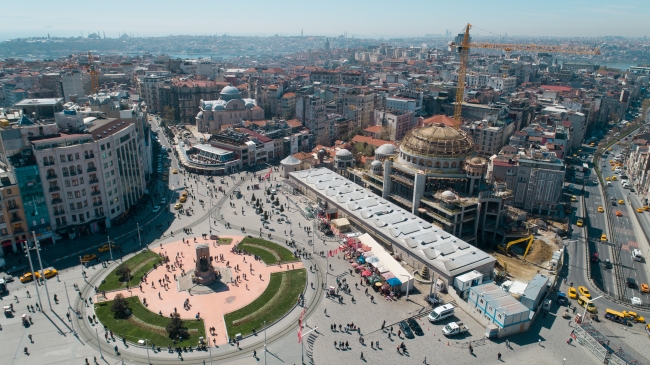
[{"x": 360, "y": 18}]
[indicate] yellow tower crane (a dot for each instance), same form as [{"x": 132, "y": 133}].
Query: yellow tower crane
[
  {"x": 94, "y": 79},
  {"x": 464, "y": 47}
]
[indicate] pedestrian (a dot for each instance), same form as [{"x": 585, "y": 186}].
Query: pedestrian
[
  {"x": 362, "y": 356},
  {"x": 499, "y": 356},
  {"x": 507, "y": 343},
  {"x": 425, "y": 360},
  {"x": 539, "y": 342}
]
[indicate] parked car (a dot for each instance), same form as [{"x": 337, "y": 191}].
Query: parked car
[
  {"x": 156, "y": 209},
  {"x": 415, "y": 326},
  {"x": 406, "y": 329}
]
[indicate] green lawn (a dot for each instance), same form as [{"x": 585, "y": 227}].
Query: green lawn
[
  {"x": 281, "y": 297},
  {"x": 268, "y": 257},
  {"x": 125, "y": 328},
  {"x": 224, "y": 241},
  {"x": 114, "y": 282}
]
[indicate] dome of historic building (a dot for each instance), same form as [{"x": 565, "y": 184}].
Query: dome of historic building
[
  {"x": 230, "y": 92},
  {"x": 476, "y": 160},
  {"x": 448, "y": 195},
  {"x": 386, "y": 149},
  {"x": 375, "y": 163},
  {"x": 343, "y": 154},
  {"x": 437, "y": 140}
]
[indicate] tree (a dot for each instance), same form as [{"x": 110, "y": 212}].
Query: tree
[
  {"x": 124, "y": 272},
  {"x": 277, "y": 201},
  {"x": 176, "y": 328},
  {"x": 266, "y": 216},
  {"x": 387, "y": 133},
  {"x": 253, "y": 198},
  {"x": 169, "y": 114},
  {"x": 120, "y": 307}
]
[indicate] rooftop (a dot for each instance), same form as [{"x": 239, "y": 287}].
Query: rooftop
[{"x": 103, "y": 128}]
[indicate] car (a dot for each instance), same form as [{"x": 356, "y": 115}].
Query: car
[
  {"x": 574, "y": 198},
  {"x": 406, "y": 329},
  {"x": 646, "y": 208},
  {"x": 614, "y": 178},
  {"x": 27, "y": 277},
  {"x": 645, "y": 288},
  {"x": 609, "y": 149},
  {"x": 608, "y": 264},
  {"x": 50, "y": 273},
  {"x": 607, "y": 178},
  {"x": 584, "y": 292},
  {"x": 573, "y": 293},
  {"x": 621, "y": 202},
  {"x": 183, "y": 199},
  {"x": 579, "y": 223},
  {"x": 619, "y": 213},
  {"x": 415, "y": 326},
  {"x": 105, "y": 248},
  {"x": 603, "y": 237},
  {"x": 631, "y": 283},
  {"x": 164, "y": 178},
  {"x": 156, "y": 209},
  {"x": 639, "y": 210},
  {"x": 600, "y": 210},
  {"x": 178, "y": 206},
  {"x": 637, "y": 301},
  {"x": 174, "y": 171},
  {"x": 613, "y": 168},
  {"x": 163, "y": 201},
  {"x": 594, "y": 257},
  {"x": 89, "y": 257}
]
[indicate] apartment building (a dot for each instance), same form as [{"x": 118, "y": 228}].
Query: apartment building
[
  {"x": 149, "y": 88},
  {"x": 93, "y": 180},
  {"x": 310, "y": 111},
  {"x": 75, "y": 85},
  {"x": 364, "y": 101},
  {"x": 489, "y": 136},
  {"x": 13, "y": 226},
  {"x": 398, "y": 121}
]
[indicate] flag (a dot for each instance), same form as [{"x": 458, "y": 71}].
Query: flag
[{"x": 302, "y": 314}]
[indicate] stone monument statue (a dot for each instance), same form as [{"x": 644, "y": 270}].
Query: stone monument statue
[{"x": 204, "y": 273}]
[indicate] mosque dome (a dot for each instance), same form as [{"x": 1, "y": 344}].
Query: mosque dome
[
  {"x": 375, "y": 163},
  {"x": 386, "y": 149},
  {"x": 448, "y": 195},
  {"x": 229, "y": 90},
  {"x": 343, "y": 154},
  {"x": 437, "y": 140}
]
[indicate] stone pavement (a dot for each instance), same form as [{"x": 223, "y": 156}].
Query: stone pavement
[{"x": 212, "y": 306}]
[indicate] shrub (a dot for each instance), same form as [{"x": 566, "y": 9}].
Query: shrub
[
  {"x": 176, "y": 328},
  {"x": 120, "y": 307},
  {"x": 123, "y": 271}
]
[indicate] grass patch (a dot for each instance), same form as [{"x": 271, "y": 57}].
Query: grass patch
[
  {"x": 281, "y": 294},
  {"x": 224, "y": 241},
  {"x": 125, "y": 328},
  {"x": 143, "y": 261},
  {"x": 268, "y": 251}
]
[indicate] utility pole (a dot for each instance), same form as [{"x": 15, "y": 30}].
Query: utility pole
[
  {"x": 139, "y": 239},
  {"x": 37, "y": 246},
  {"x": 110, "y": 247},
  {"x": 99, "y": 345},
  {"x": 31, "y": 266},
  {"x": 264, "y": 342},
  {"x": 65, "y": 285}
]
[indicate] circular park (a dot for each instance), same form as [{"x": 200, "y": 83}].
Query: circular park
[{"x": 218, "y": 289}]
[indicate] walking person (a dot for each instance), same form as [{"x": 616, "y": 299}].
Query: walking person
[{"x": 499, "y": 356}]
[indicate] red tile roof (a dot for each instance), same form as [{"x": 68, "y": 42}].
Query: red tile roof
[
  {"x": 556, "y": 88},
  {"x": 437, "y": 119},
  {"x": 373, "y": 129},
  {"x": 371, "y": 141}
]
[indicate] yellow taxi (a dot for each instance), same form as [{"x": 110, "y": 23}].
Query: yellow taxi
[
  {"x": 634, "y": 316},
  {"x": 579, "y": 223},
  {"x": 178, "y": 206},
  {"x": 575, "y": 155},
  {"x": 27, "y": 277},
  {"x": 183, "y": 199},
  {"x": 174, "y": 171},
  {"x": 87, "y": 258},
  {"x": 584, "y": 292},
  {"x": 592, "y": 144},
  {"x": 646, "y": 208},
  {"x": 105, "y": 248},
  {"x": 614, "y": 178},
  {"x": 573, "y": 293},
  {"x": 618, "y": 143},
  {"x": 603, "y": 237},
  {"x": 574, "y": 198},
  {"x": 613, "y": 168},
  {"x": 601, "y": 210},
  {"x": 50, "y": 273},
  {"x": 607, "y": 178},
  {"x": 609, "y": 149},
  {"x": 621, "y": 202},
  {"x": 164, "y": 178},
  {"x": 639, "y": 210},
  {"x": 645, "y": 288},
  {"x": 619, "y": 213}
]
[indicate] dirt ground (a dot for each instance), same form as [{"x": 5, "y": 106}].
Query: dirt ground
[{"x": 539, "y": 255}]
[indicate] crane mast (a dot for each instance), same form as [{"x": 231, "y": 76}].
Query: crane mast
[
  {"x": 94, "y": 78},
  {"x": 463, "y": 50}
]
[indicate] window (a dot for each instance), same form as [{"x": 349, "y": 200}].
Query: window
[
  {"x": 105, "y": 165},
  {"x": 88, "y": 215},
  {"x": 83, "y": 192},
  {"x": 76, "y": 156},
  {"x": 112, "y": 172},
  {"x": 69, "y": 195},
  {"x": 71, "y": 206},
  {"x": 102, "y": 147},
  {"x": 67, "y": 183},
  {"x": 108, "y": 145},
  {"x": 108, "y": 184},
  {"x": 70, "y": 158},
  {"x": 107, "y": 174},
  {"x": 85, "y": 203},
  {"x": 62, "y": 157},
  {"x": 81, "y": 180},
  {"x": 75, "y": 182},
  {"x": 79, "y": 170},
  {"x": 79, "y": 205},
  {"x": 74, "y": 218},
  {"x": 65, "y": 171},
  {"x": 77, "y": 194}
]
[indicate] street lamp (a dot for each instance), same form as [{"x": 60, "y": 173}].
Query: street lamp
[
  {"x": 99, "y": 345},
  {"x": 587, "y": 305}
]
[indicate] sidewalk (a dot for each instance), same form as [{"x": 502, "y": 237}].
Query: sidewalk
[{"x": 642, "y": 233}]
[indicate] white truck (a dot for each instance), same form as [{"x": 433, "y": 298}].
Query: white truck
[{"x": 454, "y": 328}]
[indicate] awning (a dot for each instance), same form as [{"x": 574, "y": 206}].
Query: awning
[
  {"x": 6, "y": 243},
  {"x": 394, "y": 282}
]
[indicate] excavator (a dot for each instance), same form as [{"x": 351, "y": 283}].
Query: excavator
[{"x": 506, "y": 248}]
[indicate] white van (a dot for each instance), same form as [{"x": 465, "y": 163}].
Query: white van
[
  {"x": 441, "y": 313},
  {"x": 636, "y": 255}
]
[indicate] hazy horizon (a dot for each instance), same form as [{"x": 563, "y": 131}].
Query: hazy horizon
[{"x": 361, "y": 19}]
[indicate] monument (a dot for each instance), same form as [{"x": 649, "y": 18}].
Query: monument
[{"x": 204, "y": 273}]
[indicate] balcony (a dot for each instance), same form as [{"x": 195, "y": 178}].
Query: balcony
[
  {"x": 63, "y": 224},
  {"x": 97, "y": 204},
  {"x": 52, "y": 176},
  {"x": 91, "y": 169},
  {"x": 16, "y": 219},
  {"x": 11, "y": 207},
  {"x": 65, "y": 174},
  {"x": 73, "y": 173},
  {"x": 59, "y": 212},
  {"x": 88, "y": 157},
  {"x": 48, "y": 163},
  {"x": 96, "y": 192},
  {"x": 54, "y": 188},
  {"x": 57, "y": 200},
  {"x": 94, "y": 181},
  {"x": 99, "y": 215}
]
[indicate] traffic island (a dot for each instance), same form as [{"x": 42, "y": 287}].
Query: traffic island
[
  {"x": 135, "y": 267},
  {"x": 270, "y": 253}
]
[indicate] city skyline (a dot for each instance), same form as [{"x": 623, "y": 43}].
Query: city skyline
[{"x": 555, "y": 19}]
